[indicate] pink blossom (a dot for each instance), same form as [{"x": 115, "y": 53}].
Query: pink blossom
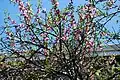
[
  {"x": 33, "y": 40},
  {"x": 13, "y": 22},
  {"x": 64, "y": 38},
  {"x": 21, "y": 4},
  {"x": 77, "y": 36},
  {"x": 17, "y": 1},
  {"x": 28, "y": 29},
  {"x": 38, "y": 11},
  {"x": 25, "y": 15},
  {"x": 12, "y": 44},
  {"x": 48, "y": 28},
  {"x": 43, "y": 34},
  {"x": 7, "y": 33},
  {"x": 93, "y": 12},
  {"x": 58, "y": 11},
  {"x": 90, "y": 44},
  {"x": 45, "y": 52},
  {"x": 46, "y": 39},
  {"x": 74, "y": 25},
  {"x": 85, "y": 8},
  {"x": 82, "y": 16},
  {"x": 22, "y": 9},
  {"x": 57, "y": 3},
  {"x": 21, "y": 25},
  {"x": 66, "y": 31}
]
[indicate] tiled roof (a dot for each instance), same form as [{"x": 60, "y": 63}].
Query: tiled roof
[{"x": 110, "y": 50}]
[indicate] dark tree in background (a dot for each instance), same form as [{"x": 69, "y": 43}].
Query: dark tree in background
[{"x": 64, "y": 44}]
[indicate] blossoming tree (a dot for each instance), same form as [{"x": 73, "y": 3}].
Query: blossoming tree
[{"x": 60, "y": 43}]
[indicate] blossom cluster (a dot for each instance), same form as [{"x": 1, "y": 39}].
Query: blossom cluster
[
  {"x": 25, "y": 10},
  {"x": 47, "y": 29},
  {"x": 88, "y": 11}
]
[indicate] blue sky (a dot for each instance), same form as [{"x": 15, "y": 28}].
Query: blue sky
[
  {"x": 13, "y": 10},
  {"x": 5, "y": 5}
]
